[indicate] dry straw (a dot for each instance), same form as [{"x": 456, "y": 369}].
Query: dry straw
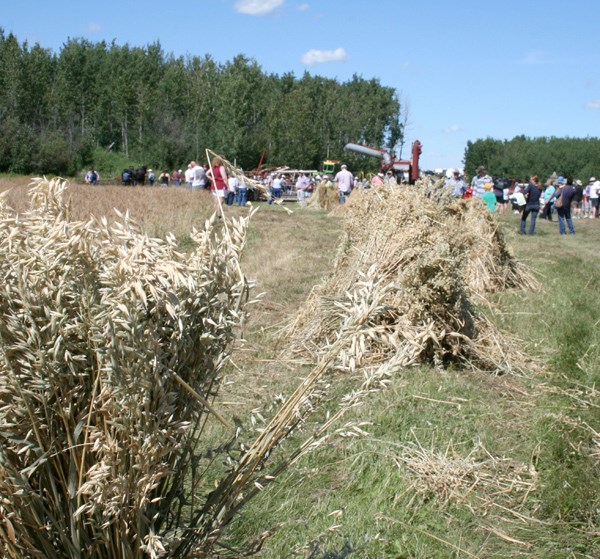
[
  {"x": 112, "y": 346},
  {"x": 424, "y": 256},
  {"x": 111, "y": 350}
]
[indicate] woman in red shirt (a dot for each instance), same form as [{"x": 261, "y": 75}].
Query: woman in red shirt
[{"x": 218, "y": 185}]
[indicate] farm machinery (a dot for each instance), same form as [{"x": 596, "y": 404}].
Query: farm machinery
[{"x": 407, "y": 170}]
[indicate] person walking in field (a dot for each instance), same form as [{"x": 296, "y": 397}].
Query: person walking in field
[
  {"x": 532, "y": 195},
  {"x": 344, "y": 180}
]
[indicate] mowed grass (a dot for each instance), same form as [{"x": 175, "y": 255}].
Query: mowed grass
[
  {"x": 455, "y": 463},
  {"x": 464, "y": 464}
]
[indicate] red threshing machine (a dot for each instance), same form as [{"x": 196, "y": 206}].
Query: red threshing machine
[{"x": 401, "y": 168}]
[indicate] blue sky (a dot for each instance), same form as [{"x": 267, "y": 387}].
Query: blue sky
[{"x": 467, "y": 69}]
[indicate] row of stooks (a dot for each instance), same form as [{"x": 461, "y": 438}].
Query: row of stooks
[{"x": 113, "y": 344}]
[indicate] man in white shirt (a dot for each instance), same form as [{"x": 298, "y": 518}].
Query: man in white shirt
[
  {"x": 276, "y": 188},
  {"x": 594, "y": 196},
  {"x": 198, "y": 176},
  {"x": 189, "y": 175},
  {"x": 232, "y": 186},
  {"x": 344, "y": 180},
  {"x": 479, "y": 181},
  {"x": 301, "y": 187}
]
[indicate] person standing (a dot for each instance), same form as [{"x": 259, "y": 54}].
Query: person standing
[
  {"x": 176, "y": 177},
  {"x": 198, "y": 176},
  {"x": 577, "y": 200},
  {"x": 242, "y": 192},
  {"x": 189, "y": 176},
  {"x": 163, "y": 178},
  {"x": 232, "y": 186},
  {"x": 562, "y": 203},
  {"x": 276, "y": 188},
  {"x": 301, "y": 186},
  {"x": 532, "y": 195},
  {"x": 218, "y": 187},
  {"x": 459, "y": 187},
  {"x": 594, "y": 196},
  {"x": 480, "y": 180},
  {"x": 344, "y": 181},
  {"x": 377, "y": 179},
  {"x": 500, "y": 184},
  {"x": 489, "y": 198},
  {"x": 151, "y": 177},
  {"x": 587, "y": 205},
  {"x": 548, "y": 200}
]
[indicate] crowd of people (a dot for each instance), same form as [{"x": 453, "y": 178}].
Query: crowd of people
[
  {"x": 305, "y": 184},
  {"x": 565, "y": 198}
]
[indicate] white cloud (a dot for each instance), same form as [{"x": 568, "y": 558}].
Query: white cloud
[
  {"x": 533, "y": 57},
  {"x": 303, "y": 7},
  {"x": 315, "y": 56},
  {"x": 450, "y": 129},
  {"x": 93, "y": 27},
  {"x": 594, "y": 105},
  {"x": 257, "y": 7}
]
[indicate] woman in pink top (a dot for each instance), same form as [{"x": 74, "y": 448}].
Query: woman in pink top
[{"x": 218, "y": 185}]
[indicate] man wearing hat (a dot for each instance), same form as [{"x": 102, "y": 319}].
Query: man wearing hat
[
  {"x": 344, "y": 180},
  {"x": 480, "y": 180}
]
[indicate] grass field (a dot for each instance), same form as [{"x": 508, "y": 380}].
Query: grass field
[{"x": 452, "y": 463}]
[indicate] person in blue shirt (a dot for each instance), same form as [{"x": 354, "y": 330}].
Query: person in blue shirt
[
  {"x": 459, "y": 187},
  {"x": 489, "y": 198},
  {"x": 548, "y": 199}
]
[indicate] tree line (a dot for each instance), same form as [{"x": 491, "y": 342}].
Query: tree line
[
  {"x": 521, "y": 157},
  {"x": 58, "y": 110}
]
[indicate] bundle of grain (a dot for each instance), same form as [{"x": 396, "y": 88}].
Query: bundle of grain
[
  {"x": 491, "y": 266},
  {"x": 111, "y": 349},
  {"x": 402, "y": 249},
  {"x": 325, "y": 196}
]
